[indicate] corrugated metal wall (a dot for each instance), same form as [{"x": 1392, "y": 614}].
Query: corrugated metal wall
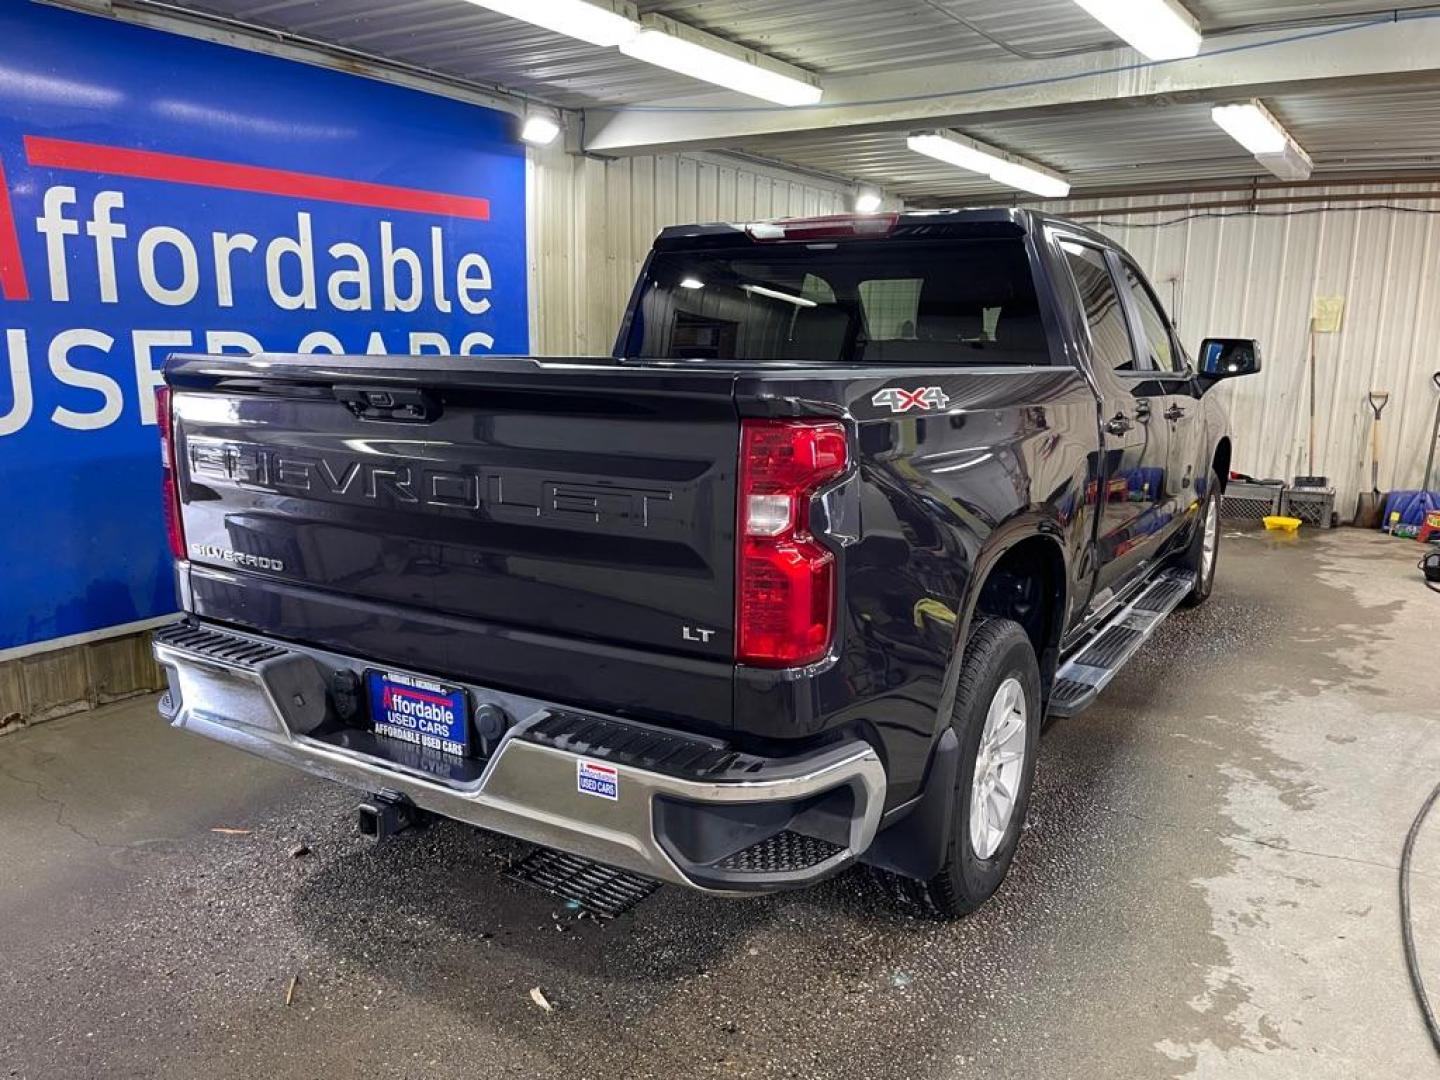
[
  {"x": 592, "y": 222},
  {"x": 1221, "y": 272},
  {"x": 1257, "y": 276}
]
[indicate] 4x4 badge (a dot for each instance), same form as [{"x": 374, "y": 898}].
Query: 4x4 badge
[{"x": 898, "y": 400}]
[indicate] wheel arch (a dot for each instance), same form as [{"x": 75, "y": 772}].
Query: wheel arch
[
  {"x": 1220, "y": 461},
  {"x": 915, "y": 845},
  {"x": 1023, "y": 576}
]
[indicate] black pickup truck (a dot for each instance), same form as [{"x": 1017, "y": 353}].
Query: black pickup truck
[{"x": 788, "y": 582}]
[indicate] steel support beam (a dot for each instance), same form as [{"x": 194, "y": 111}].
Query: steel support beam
[{"x": 1231, "y": 67}]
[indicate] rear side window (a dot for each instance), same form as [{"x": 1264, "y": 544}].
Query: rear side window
[
  {"x": 879, "y": 302},
  {"x": 1109, "y": 336}
]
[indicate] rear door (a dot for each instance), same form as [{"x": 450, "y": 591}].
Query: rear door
[
  {"x": 1178, "y": 390},
  {"x": 1134, "y": 438},
  {"x": 578, "y": 500}
]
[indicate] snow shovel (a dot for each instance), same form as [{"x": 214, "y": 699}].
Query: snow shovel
[{"x": 1367, "y": 512}]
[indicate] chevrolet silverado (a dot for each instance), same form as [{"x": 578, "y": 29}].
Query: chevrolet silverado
[{"x": 789, "y": 582}]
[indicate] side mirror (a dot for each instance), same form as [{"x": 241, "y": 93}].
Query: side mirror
[{"x": 1225, "y": 358}]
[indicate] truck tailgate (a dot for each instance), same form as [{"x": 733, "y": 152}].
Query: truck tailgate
[{"x": 572, "y": 500}]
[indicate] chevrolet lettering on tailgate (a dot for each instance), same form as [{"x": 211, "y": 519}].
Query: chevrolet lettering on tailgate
[{"x": 499, "y": 493}]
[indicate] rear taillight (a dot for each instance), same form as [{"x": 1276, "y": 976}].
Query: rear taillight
[
  {"x": 785, "y": 587},
  {"x": 174, "y": 531}
]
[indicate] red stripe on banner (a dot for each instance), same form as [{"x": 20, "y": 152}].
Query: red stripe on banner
[
  {"x": 12, "y": 271},
  {"x": 150, "y": 165},
  {"x": 433, "y": 699}
]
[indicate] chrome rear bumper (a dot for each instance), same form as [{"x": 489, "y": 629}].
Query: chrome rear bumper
[{"x": 262, "y": 696}]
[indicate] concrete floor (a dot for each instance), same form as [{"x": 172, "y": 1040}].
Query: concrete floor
[{"x": 1207, "y": 888}]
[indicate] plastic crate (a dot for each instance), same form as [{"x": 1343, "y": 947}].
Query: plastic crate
[
  {"x": 1313, "y": 506},
  {"x": 1249, "y": 502}
]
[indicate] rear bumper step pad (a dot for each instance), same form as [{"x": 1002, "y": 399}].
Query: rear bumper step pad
[
  {"x": 644, "y": 747},
  {"x": 786, "y": 851}
]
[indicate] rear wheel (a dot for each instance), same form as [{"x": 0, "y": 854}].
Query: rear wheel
[
  {"x": 997, "y": 721},
  {"x": 1204, "y": 550}
]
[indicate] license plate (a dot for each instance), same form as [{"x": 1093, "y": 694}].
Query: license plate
[{"x": 420, "y": 712}]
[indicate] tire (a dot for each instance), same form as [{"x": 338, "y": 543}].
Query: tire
[
  {"x": 1000, "y": 672},
  {"x": 1195, "y": 560}
]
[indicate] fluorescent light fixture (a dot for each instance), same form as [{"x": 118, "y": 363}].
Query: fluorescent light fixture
[
  {"x": 1003, "y": 168},
  {"x": 1292, "y": 163},
  {"x": 666, "y": 43},
  {"x": 1158, "y": 29},
  {"x": 683, "y": 49},
  {"x": 1032, "y": 178},
  {"x": 867, "y": 201},
  {"x": 600, "y": 22},
  {"x": 954, "y": 150},
  {"x": 539, "y": 129},
  {"x": 775, "y": 294},
  {"x": 691, "y": 283},
  {"x": 1252, "y": 126}
]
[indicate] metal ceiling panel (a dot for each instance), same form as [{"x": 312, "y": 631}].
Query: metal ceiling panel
[
  {"x": 1349, "y": 129},
  {"x": 1346, "y": 131},
  {"x": 830, "y": 37}
]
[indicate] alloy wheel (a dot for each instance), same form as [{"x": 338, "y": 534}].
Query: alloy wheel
[{"x": 999, "y": 764}]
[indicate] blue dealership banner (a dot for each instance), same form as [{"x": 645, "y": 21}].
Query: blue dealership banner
[{"x": 163, "y": 194}]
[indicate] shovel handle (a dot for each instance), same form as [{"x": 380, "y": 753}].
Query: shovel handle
[
  {"x": 1434, "y": 436},
  {"x": 1378, "y": 401}
]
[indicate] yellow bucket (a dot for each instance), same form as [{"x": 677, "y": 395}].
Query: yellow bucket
[{"x": 1282, "y": 524}]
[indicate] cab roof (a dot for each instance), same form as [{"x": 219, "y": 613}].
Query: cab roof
[{"x": 911, "y": 225}]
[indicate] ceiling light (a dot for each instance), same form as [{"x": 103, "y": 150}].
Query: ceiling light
[
  {"x": 1252, "y": 126},
  {"x": 867, "y": 201},
  {"x": 1159, "y": 29},
  {"x": 953, "y": 150},
  {"x": 600, "y": 22},
  {"x": 691, "y": 283},
  {"x": 539, "y": 129},
  {"x": 1032, "y": 178},
  {"x": 666, "y": 43},
  {"x": 1292, "y": 163},
  {"x": 669, "y": 44},
  {"x": 1003, "y": 168}
]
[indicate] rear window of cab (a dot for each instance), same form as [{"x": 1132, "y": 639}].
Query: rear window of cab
[{"x": 968, "y": 302}]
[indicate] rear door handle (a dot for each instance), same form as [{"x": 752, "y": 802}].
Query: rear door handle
[
  {"x": 1119, "y": 424},
  {"x": 1174, "y": 412}
]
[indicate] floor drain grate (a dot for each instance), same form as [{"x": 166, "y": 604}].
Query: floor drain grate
[{"x": 598, "y": 889}]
